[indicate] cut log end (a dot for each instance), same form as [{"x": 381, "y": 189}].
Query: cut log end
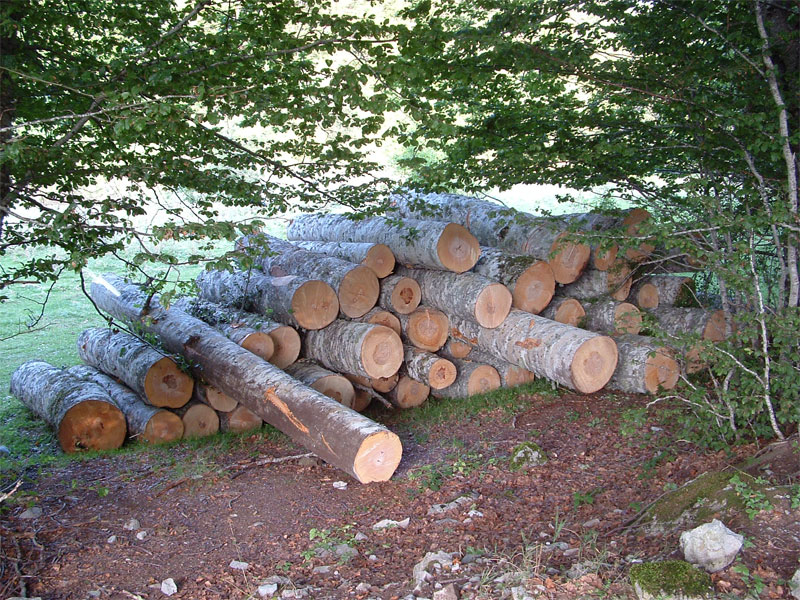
[
  {"x": 378, "y": 457},
  {"x": 315, "y": 305},
  {"x": 647, "y": 296},
  {"x": 631, "y": 224},
  {"x": 361, "y": 400},
  {"x": 442, "y": 374},
  {"x": 568, "y": 259},
  {"x": 239, "y": 420},
  {"x": 337, "y": 387},
  {"x": 594, "y": 364},
  {"x": 387, "y": 319},
  {"x": 358, "y": 292},
  {"x": 200, "y": 420},
  {"x": 627, "y": 318},
  {"x": 165, "y": 385},
  {"x": 383, "y": 385},
  {"x": 458, "y": 250},
  {"x": 380, "y": 259},
  {"x": 163, "y": 427},
  {"x": 715, "y": 329},
  {"x": 381, "y": 352},
  {"x": 92, "y": 425},
  {"x": 406, "y": 296},
  {"x": 661, "y": 372},
  {"x": 604, "y": 258},
  {"x": 458, "y": 349},
  {"x": 287, "y": 346},
  {"x": 570, "y": 312},
  {"x": 619, "y": 281},
  {"x": 428, "y": 328},
  {"x": 218, "y": 400},
  {"x": 492, "y": 305},
  {"x": 260, "y": 344},
  {"x": 515, "y": 376},
  {"x": 534, "y": 289},
  {"x": 409, "y": 393},
  {"x": 483, "y": 379}
]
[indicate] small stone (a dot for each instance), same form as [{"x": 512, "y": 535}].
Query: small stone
[
  {"x": 794, "y": 584},
  {"x": 140, "y": 535},
  {"x": 360, "y": 537},
  {"x": 591, "y": 523},
  {"x": 446, "y": 522},
  {"x": 345, "y": 552},
  {"x": 111, "y": 539},
  {"x": 308, "y": 461},
  {"x": 362, "y": 588},
  {"x": 469, "y": 558},
  {"x": 388, "y": 523},
  {"x": 372, "y": 558},
  {"x": 475, "y": 514},
  {"x": 448, "y": 592},
  {"x": 467, "y": 521},
  {"x": 711, "y": 546},
  {"x": 580, "y": 569},
  {"x": 267, "y": 589},
  {"x": 520, "y": 593},
  {"x": 131, "y": 525},
  {"x": 420, "y": 571},
  {"x": 525, "y": 456},
  {"x": 238, "y": 565},
  {"x": 95, "y": 593},
  {"x": 571, "y": 551},
  {"x": 34, "y": 512},
  {"x": 321, "y": 570},
  {"x": 168, "y": 587},
  {"x": 4, "y": 450},
  {"x": 340, "y": 485},
  {"x": 277, "y": 580},
  {"x": 438, "y": 509}
]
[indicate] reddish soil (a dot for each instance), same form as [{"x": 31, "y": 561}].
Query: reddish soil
[{"x": 239, "y": 508}]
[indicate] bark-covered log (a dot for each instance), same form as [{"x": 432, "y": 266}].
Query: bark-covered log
[
  {"x": 380, "y": 316},
  {"x": 285, "y": 339},
  {"x": 431, "y": 244},
  {"x": 359, "y": 348},
  {"x": 145, "y": 422},
  {"x": 399, "y": 294},
  {"x": 378, "y": 257},
  {"x": 292, "y": 300},
  {"x": 408, "y": 393},
  {"x": 614, "y": 283},
  {"x": 426, "y": 328},
  {"x": 82, "y": 413},
  {"x": 199, "y": 420},
  {"x": 510, "y": 375},
  {"x": 338, "y": 435},
  {"x": 239, "y": 420},
  {"x": 568, "y": 311},
  {"x": 155, "y": 377},
  {"x": 614, "y": 318},
  {"x": 645, "y": 366},
  {"x": 211, "y": 396},
  {"x": 575, "y": 358},
  {"x": 356, "y": 285},
  {"x": 530, "y": 280},
  {"x": 708, "y": 324},
  {"x": 331, "y": 384},
  {"x": 466, "y": 294},
  {"x": 664, "y": 290},
  {"x": 473, "y": 378},
  {"x": 430, "y": 369}
]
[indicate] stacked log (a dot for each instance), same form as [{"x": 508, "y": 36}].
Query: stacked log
[
  {"x": 530, "y": 281},
  {"x": 400, "y": 294},
  {"x": 199, "y": 420},
  {"x": 569, "y": 311},
  {"x": 378, "y": 257},
  {"x": 331, "y": 384},
  {"x": 613, "y": 318},
  {"x": 664, "y": 290}
]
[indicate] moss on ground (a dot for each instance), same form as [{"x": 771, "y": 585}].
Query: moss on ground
[
  {"x": 671, "y": 577},
  {"x": 699, "y": 500}
]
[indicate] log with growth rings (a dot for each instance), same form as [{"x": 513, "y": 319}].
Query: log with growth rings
[
  {"x": 428, "y": 368},
  {"x": 378, "y": 257},
  {"x": 645, "y": 366},
  {"x": 530, "y": 280},
  {"x": 400, "y": 294},
  {"x": 426, "y": 328},
  {"x": 473, "y": 378}
]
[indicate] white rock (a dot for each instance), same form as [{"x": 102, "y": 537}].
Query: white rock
[
  {"x": 420, "y": 571},
  {"x": 278, "y": 580},
  {"x": 340, "y": 485},
  {"x": 794, "y": 584},
  {"x": 388, "y": 523},
  {"x": 140, "y": 535},
  {"x": 238, "y": 565},
  {"x": 362, "y": 588},
  {"x": 438, "y": 509},
  {"x": 448, "y": 592},
  {"x": 372, "y": 558},
  {"x": 360, "y": 537},
  {"x": 131, "y": 525},
  {"x": 168, "y": 587},
  {"x": 711, "y": 546},
  {"x": 520, "y": 593},
  {"x": 267, "y": 589},
  {"x": 475, "y": 514},
  {"x": 34, "y": 512},
  {"x": 111, "y": 539}
]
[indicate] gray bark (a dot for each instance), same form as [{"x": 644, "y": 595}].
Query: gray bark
[
  {"x": 614, "y": 283},
  {"x": 473, "y": 378},
  {"x": 612, "y": 317},
  {"x": 377, "y": 257},
  {"x": 530, "y": 280},
  {"x": 428, "y": 368},
  {"x": 645, "y": 366}
]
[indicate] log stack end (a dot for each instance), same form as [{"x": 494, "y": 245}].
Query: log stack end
[
  {"x": 358, "y": 291},
  {"x": 377, "y": 457},
  {"x": 92, "y": 425},
  {"x": 165, "y": 385},
  {"x": 594, "y": 364},
  {"x": 315, "y": 304},
  {"x": 568, "y": 258},
  {"x": 458, "y": 250}
]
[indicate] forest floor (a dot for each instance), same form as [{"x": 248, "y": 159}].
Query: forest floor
[{"x": 565, "y": 529}]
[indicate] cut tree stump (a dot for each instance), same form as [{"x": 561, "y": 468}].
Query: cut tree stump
[
  {"x": 145, "y": 422},
  {"x": 408, "y": 393},
  {"x": 568, "y": 311},
  {"x": 510, "y": 375},
  {"x": 399, "y": 294},
  {"x": 664, "y": 290},
  {"x": 285, "y": 339},
  {"x": 378, "y": 257},
  {"x": 151, "y": 374},
  {"x": 380, "y": 316},
  {"x": 333, "y": 385},
  {"x": 575, "y": 358},
  {"x": 645, "y": 366},
  {"x": 356, "y": 285},
  {"x": 431, "y": 244},
  {"x": 291, "y": 300},
  {"x": 82, "y": 413},
  {"x": 199, "y": 420},
  {"x": 611, "y": 317},
  {"x": 466, "y": 295},
  {"x": 338, "y": 435},
  {"x": 239, "y": 420},
  {"x": 473, "y": 378},
  {"x": 426, "y": 328},
  {"x": 211, "y": 396},
  {"x": 360, "y": 348},
  {"x": 614, "y": 283},
  {"x": 530, "y": 280},
  {"x": 430, "y": 369}
]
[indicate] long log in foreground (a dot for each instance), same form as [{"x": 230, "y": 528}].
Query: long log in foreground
[
  {"x": 155, "y": 377},
  {"x": 645, "y": 366},
  {"x": 431, "y": 244},
  {"x": 338, "y": 435},
  {"x": 82, "y": 413},
  {"x": 145, "y": 422},
  {"x": 530, "y": 280},
  {"x": 378, "y": 257},
  {"x": 575, "y": 358}
]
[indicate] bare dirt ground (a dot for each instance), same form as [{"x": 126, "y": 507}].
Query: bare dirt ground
[{"x": 288, "y": 521}]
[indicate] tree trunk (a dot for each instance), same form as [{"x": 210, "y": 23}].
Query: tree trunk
[
  {"x": 327, "y": 382},
  {"x": 211, "y": 396},
  {"x": 502, "y": 227},
  {"x": 645, "y": 366},
  {"x": 530, "y": 280},
  {"x": 292, "y": 300},
  {"x": 408, "y": 393},
  {"x": 84, "y": 416},
  {"x": 239, "y": 420},
  {"x": 399, "y": 294},
  {"x": 150, "y": 424},
  {"x": 575, "y": 358},
  {"x": 426, "y": 328},
  {"x": 510, "y": 375},
  {"x": 285, "y": 339},
  {"x": 379, "y": 316},
  {"x": 473, "y": 378},
  {"x": 614, "y": 283},
  {"x": 155, "y": 377},
  {"x": 708, "y": 324},
  {"x": 664, "y": 290},
  {"x": 199, "y": 420},
  {"x": 356, "y": 285},
  {"x": 378, "y": 257},
  {"x": 611, "y": 317},
  {"x": 568, "y": 311},
  {"x": 431, "y": 244},
  {"x": 466, "y": 295},
  {"x": 430, "y": 369},
  {"x": 359, "y": 348},
  {"x": 366, "y": 450}
]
